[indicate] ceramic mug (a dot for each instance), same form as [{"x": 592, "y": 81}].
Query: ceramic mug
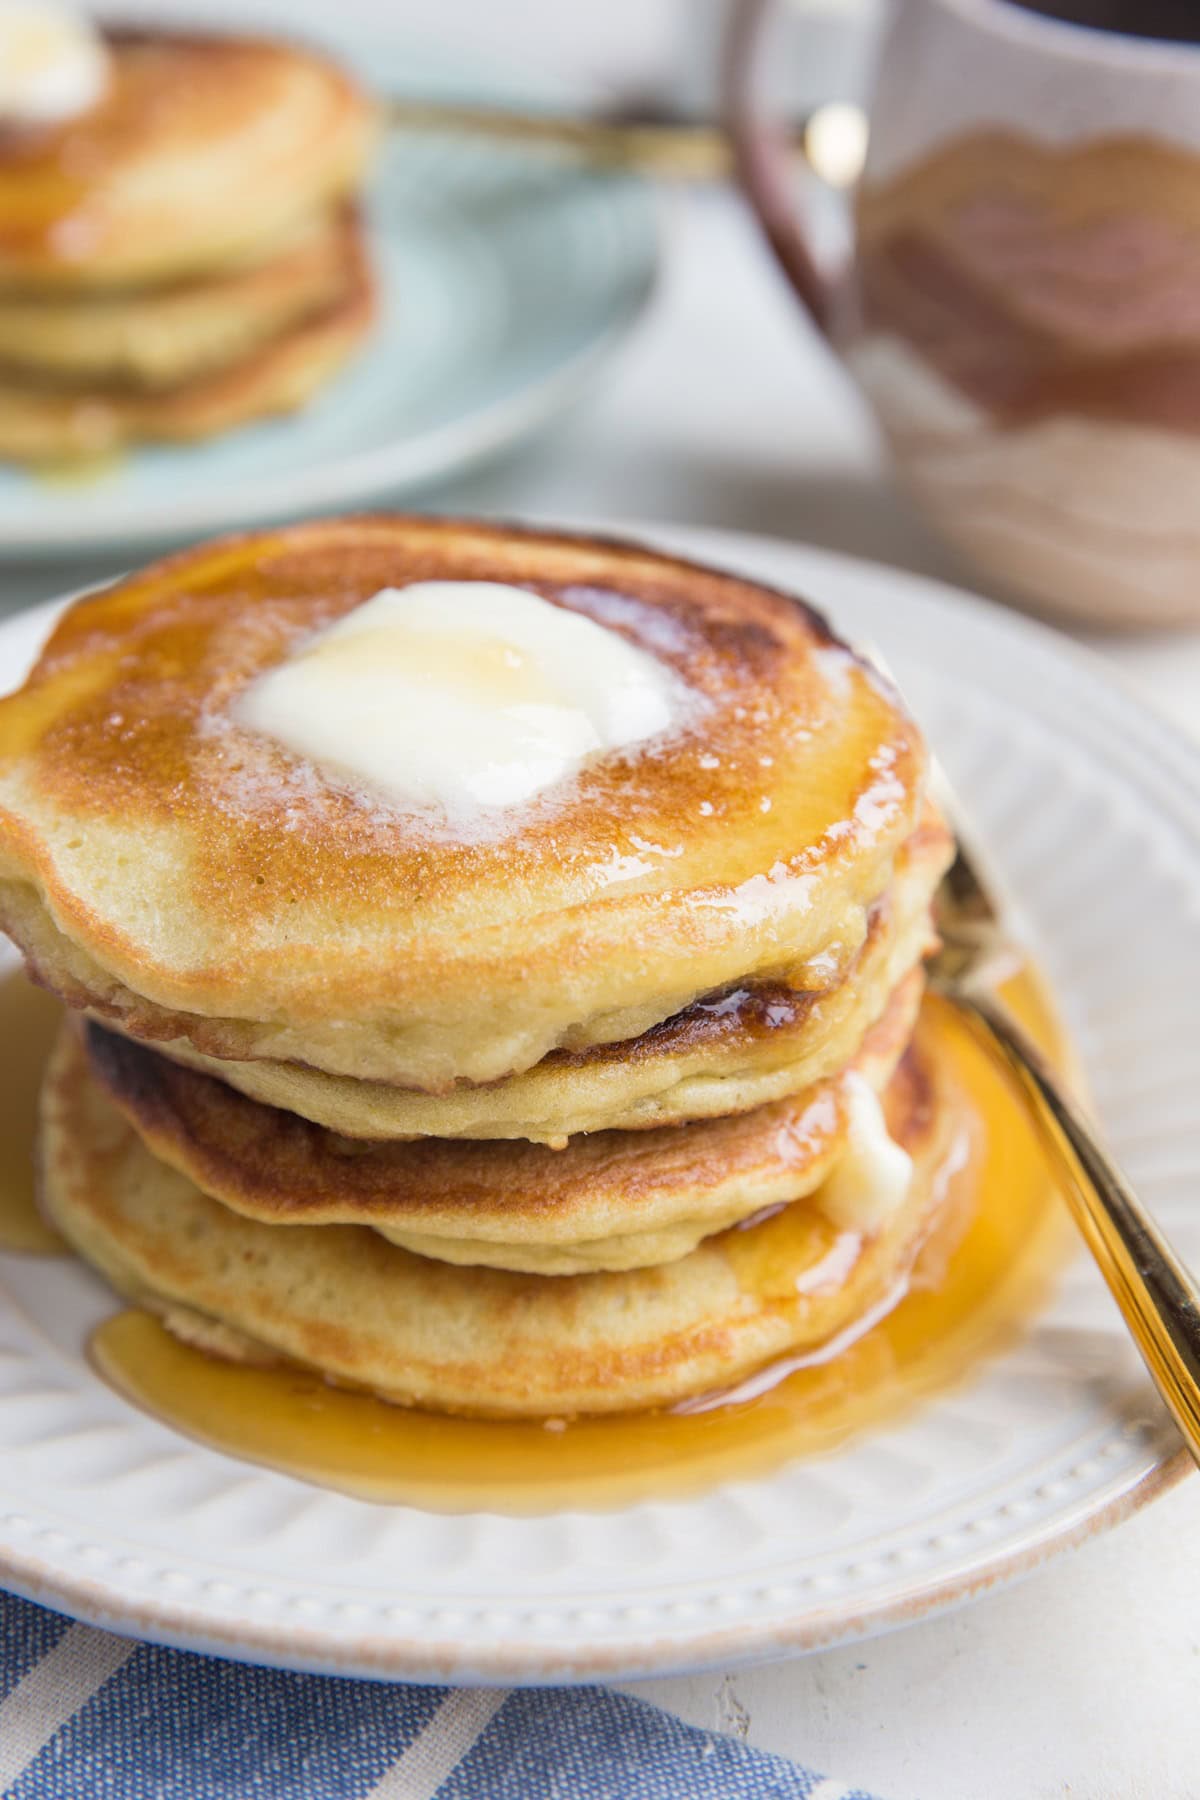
[{"x": 1022, "y": 306}]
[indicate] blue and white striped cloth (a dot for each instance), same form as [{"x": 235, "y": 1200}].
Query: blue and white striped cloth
[{"x": 85, "y": 1715}]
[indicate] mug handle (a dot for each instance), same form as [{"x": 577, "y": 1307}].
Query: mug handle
[{"x": 762, "y": 165}]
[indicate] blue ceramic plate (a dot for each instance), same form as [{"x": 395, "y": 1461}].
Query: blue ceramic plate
[{"x": 506, "y": 279}]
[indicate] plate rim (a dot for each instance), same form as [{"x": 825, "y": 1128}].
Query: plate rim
[
  {"x": 405, "y": 1655},
  {"x": 414, "y": 1658}
]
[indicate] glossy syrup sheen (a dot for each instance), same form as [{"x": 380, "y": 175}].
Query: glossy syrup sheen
[
  {"x": 978, "y": 1279},
  {"x": 29, "y": 1022}
]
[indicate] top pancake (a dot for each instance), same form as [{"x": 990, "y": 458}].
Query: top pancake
[
  {"x": 203, "y": 149},
  {"x": 187, "y": 879}
]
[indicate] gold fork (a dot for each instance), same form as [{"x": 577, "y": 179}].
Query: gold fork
[{"x": 1158, "y": 1298}]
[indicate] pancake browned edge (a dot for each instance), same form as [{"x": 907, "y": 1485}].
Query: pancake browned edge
[
  {"x": 488, "y": 1342},
  {"x": 204, "y": 150},
  {"x": 156, "y": 339},
  {"x": 182, "y": 257},
  {"x": 725, "y": 1053},
  {"x": 612, "y": 1200},
  {"x": 57, "y": 421},
  {"x": 186, "y": 878},
  {"x": 718, "y": 936}
]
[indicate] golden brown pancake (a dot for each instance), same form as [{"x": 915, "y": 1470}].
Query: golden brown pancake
[
  {"x": 724, "y": 1053},
  {"x": 183, "y": 877},
  {"x": 341, "y": 1299},
  {"x": 51, "y": 422},
  {"x": 615, "y": 1200},
  {"x": 204, "y": 150},
  {"x": 157, "y": 338}
]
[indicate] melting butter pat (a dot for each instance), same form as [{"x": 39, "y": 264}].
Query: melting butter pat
[
  {"x": 53, "y": 63},
  {"x": 461, "y": 695},
  {"x": 872, "y": 1176}
]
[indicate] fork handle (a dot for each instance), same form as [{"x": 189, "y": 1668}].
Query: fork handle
[{"x": 1159, "y": 1299}]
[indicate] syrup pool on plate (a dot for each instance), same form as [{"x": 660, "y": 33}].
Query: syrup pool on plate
[{"x": 980, "y": 1275}]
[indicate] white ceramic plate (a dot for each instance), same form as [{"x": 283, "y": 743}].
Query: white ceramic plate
[
  {"x": 506, "y": 281},
  {"x": 1092, "y": 808}
]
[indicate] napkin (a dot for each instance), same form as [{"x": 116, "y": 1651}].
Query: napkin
[{"x": 86, "y": 1715}]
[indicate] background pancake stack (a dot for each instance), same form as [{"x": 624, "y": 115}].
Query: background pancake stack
[
  {"x": 576, "y": 1112},
  {"x": 184, "y": 255}
]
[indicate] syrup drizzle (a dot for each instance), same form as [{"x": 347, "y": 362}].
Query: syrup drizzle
[{"x": 976, "y": 1282}]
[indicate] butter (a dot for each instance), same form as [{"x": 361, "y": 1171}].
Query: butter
[
  {"x": 53, "y": 63},
  {"x": 872, "y": 1176},
  {"x": 460, "y": 695}
]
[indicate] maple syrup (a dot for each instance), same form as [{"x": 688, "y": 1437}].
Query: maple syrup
[
  {"x": 29, "y": 1023},
  {"x": 977, "y": 1280}
]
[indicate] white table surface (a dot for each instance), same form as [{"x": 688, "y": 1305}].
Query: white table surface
[{"x": 1082, "y": 1680}]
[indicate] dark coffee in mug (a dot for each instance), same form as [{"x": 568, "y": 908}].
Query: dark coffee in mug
[{"x": 1175, "y": 20}]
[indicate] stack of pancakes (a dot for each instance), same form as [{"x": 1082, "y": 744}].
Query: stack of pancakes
[
  {"x": 184, "y": 255},
  {"x": 565, "y": 1115}
]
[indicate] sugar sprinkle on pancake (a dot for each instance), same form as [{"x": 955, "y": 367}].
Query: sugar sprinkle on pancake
[
  {"x": 185, "y": 878},
  {"x": 497, "y": 959}
]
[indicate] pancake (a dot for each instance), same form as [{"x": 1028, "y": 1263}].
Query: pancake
[
  {"x": 157, "y": 338},
  {"x": 722, "y": 1054},
  {"x": 341, "y": 1299},
  {"x": 48, "y": 422},
  {"x": 186, "y": 878},
  {"x": 204, "y": 150},
  {"x": 615, "y": 1200}
]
